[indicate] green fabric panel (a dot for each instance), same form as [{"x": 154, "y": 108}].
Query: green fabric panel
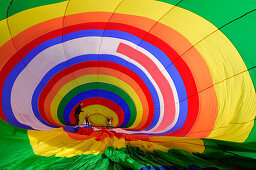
[
  {"x": 30, "y": 161},
  {"x": 134, "y": 158},
  {"x": 21, "y": 5},
  {"x": 253, "y": 76},
  {"x": 4, "y": 4},
  {"x": 246, "y": 154},
  {"x": 182, "y": 159},
  {"x": 101, "y": 86},
  {"x": 232, "y": 154},
  {"x": 13, "y": 141},
  {"x": 141, "y": 156},
  {"x": 229, "y": 161},
  {"x": 111, "y": 159},
  {"x": 226, "y": 146},
  {"x": 173, "y": 2},
  {"x": 218, "y": 12},
  {"x": 242, "y": 34},
  {"x": 122, "y": 158},
  {"x": 252, "y": 136}
]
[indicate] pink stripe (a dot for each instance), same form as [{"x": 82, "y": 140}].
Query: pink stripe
[{"x": 161, "y": 81}]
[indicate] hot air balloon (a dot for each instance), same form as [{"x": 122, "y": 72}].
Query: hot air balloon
[{"x": 164, "y": 84}]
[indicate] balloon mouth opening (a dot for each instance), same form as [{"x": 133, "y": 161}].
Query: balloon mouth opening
[
  {"x": 83, "y": 132},
  {"x": 97, "y": 120}
]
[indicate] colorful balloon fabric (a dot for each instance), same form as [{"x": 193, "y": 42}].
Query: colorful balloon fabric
[{"x": 176, "y": 78}]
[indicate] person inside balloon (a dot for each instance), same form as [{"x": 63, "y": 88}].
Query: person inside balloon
[
  {"x": 78, "y": 110},
  {"x": 86, "y": 120},
  {"x": 109, "y": 122}
]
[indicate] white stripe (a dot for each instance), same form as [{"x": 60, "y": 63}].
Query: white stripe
[
  {"x": 26, "y": 82},
  {"x": 170, "y": 81}
]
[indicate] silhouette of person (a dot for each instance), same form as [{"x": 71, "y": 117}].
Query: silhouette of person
[
  {"x": 109, "y": 121},
  {"x": 78, "y": 110}
]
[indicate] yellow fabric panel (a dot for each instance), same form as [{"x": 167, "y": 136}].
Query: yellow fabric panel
[
  {"x": 54, "y": 109},
  {"x": 98, "y": 120},
  {"x": 115, "y": 142},
  {"x": 146, "y": 8},
  {"x": 56, "y": 142},
  {"x": 81, "y": 6},
  {"x": 93, "y": 78},
  {"x": 192, "y": 26},
  {"x": 118, "y": 143},
  {"x": 221, "y": 56},
  {"x": 4, "y": 31},
  {"x": 92, "y": 109},
  {"x": 30, "y": 17},
  {"x": 184, "y": 143},
  {"x": 224, "y": 61},
  {"x": 236, "y": 117}
]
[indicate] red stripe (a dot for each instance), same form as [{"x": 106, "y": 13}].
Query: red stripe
[
  {"x": 163, "y": 84},
  {"x": 193, "y": 101}
]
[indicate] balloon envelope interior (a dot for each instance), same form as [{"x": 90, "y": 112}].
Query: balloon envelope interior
[{"x": 165, "y": 77}]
